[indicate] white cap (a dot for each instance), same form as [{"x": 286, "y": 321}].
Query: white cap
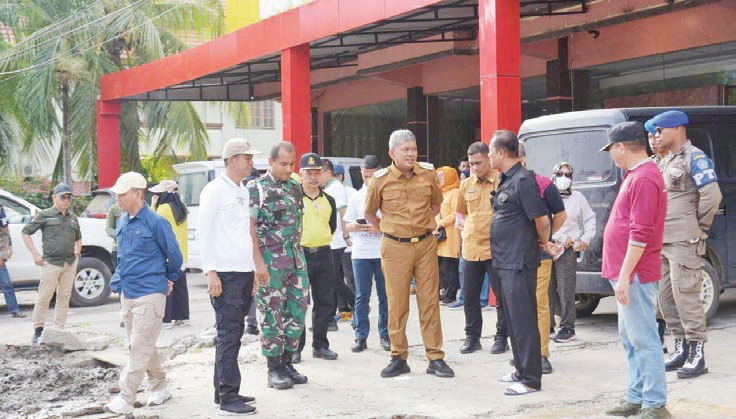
[
  {"x": 127, "y": 181},
  {"x": 235, "y": 146},
  {"x": 165, "y": 186}
]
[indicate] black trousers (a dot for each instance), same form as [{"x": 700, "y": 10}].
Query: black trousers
[
  {"x": 322, "y": 282},
  {"x": 231, "y": 307},
  {"x": 177, "y": 303},
  {"x": 449, "y": 277},
  {"x": 519, "y": 290},
  {"x": 344, "y": 296},
  {"x": 474, "y": 274},
  {"x": 346, "y": 261}
]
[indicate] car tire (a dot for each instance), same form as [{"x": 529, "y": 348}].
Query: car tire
[
  {"x": 585, "y": 304},
  {"x": 710, "y": 290},
  {"x": 91, "y": 284}
]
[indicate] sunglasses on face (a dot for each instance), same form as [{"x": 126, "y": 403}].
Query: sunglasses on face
[{"x": 565, "y": 174}]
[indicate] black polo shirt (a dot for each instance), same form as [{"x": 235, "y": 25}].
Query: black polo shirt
[{"x": 517, "y": 202}]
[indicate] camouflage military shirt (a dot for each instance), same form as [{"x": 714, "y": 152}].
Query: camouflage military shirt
[{"x": 277, "y": 208}]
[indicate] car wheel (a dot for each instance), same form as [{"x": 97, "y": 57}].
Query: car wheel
[
  {"x": 585, "y": 304},
  {"x": 710, "y": 290},
  {"x": 91, "y": 284}
]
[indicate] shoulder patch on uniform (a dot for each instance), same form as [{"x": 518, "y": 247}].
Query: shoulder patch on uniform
[
  {"x": 380, "y": 173},
  {"x": 425, "y": 165},
  {"x": 702, "y": 170}
]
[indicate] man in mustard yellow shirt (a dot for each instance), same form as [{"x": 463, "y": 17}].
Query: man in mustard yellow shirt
[{"x": 319, "y": 223}]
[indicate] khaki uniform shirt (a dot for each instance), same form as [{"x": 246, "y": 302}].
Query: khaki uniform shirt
[
  {"x": 693, "y": 195},
  {"x": 59, "y": 233},
  {"x": 405, "y": 201},
  {"x": 474, "y": 201}
]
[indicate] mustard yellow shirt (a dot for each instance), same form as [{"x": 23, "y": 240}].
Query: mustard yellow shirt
[{"x": 180, "y": 230}]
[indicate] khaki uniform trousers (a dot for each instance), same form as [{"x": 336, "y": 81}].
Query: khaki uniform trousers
[
  {"x": 59, "y": 279},
  {"x": 679, "y": 293},
  {"x": 544, "y": 273},
  {"x": 143, "y": 317},
  {"x": 401, "y": 262}
]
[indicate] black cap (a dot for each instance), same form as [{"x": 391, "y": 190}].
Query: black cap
[
  {"x": 62, "y": 189},
  {"x": 371, "y": 162},
  {"x": 310, "y": 161},
  {"x": 625, "y": 132}
]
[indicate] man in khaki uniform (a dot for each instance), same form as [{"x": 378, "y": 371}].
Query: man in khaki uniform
[
  {"x": 409, "y": 197},
  {"x": 693, "y": 197},
  {"x": 62, "y": 245},
  {"x": 474, "y": 204}
]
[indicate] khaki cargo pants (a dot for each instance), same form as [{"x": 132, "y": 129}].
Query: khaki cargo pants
[
  {"x": 58, "y": 279},
  {"x": 679, "y": 293},
  {"x": 143, "y": 317}
]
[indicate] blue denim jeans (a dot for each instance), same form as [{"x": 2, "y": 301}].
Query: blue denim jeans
[
  {"x": 365, "y": 271},
  {"x": 8, "y": 290},
  {"x": 637, "y": 325}
]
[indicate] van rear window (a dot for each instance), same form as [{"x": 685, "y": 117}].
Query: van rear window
[{"x": 579, "y": 148}]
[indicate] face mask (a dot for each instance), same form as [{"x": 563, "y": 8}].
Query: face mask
[
  {"x": 563, "y": 183},
  {"x": 465, "y": 173}
]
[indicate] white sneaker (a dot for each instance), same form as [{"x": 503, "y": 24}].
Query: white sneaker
[
  {"x": 118, "y": 406},
  {"x": 167, "y": 325},
  {"x": 159, "y": 397}
]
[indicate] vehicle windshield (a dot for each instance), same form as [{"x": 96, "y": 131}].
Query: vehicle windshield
[
  {"x": 191, "y": 185},
  {"x": 98, "y": 205},
  {"x": 581, "y": 149}
]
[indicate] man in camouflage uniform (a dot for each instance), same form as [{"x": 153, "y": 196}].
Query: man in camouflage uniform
[
  {"x": 693, "y": 197},
  {"x": 276, "y": 212}
]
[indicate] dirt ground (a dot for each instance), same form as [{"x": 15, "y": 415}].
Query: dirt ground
[{"x": 590, "y": 373}]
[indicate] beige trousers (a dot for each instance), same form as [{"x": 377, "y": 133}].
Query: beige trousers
[
  {"x": 142, "y": 318},
  {"x": 679, "y": 292},
  {"x": 58, "y": 279},
  {"x": 544, "y": 273}
]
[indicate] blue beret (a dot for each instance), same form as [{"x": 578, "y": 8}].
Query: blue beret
[
  {"x": 649, "y": 126},
  {"x": 670, "y": 119}
]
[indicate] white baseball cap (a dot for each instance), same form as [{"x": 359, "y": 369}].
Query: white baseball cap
[
  {"x": 165, "y": 186},
  {"x": 127, "y": 181},
  {"x": 235, "y": 146}
]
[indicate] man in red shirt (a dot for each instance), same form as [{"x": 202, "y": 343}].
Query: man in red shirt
[{"x": 632, "y": 244}]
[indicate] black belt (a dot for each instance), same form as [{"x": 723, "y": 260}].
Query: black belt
[
  {"x": 416, "y": 239},
  {"x": 315, "y": 249}
]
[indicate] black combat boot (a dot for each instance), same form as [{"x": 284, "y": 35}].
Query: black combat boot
[
  {"x": 291, "y": 372},
  {"x": 695, "y": 364},
  {"x": 679, "y": 357},
  {"x": 277, "y": 377},
  {"x": 471, "y": 345}
]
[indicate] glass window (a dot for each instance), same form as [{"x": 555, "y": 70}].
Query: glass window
[
  {"x": 16, "y": 213},
  {"x": 579, "y": 148},
  {"x": 191, "y": 185},
  {"x": 268, "y": 115}
]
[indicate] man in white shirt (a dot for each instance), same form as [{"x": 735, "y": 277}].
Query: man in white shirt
[
  {"x": 226, "y": 244},
  {"x": 366, "y": 254},
  {"x": 574, "y": 236},
  {"x": 345, "y": 297}
]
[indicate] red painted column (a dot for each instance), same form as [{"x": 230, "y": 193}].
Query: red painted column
[
  {"x": 108, "y": 142},
  {"x": 500, "y": 68},
  {"x": 296, "y": 97}
]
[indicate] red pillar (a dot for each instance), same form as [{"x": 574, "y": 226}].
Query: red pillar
[
  {"x": 500, "y": 68},
  {"x": 296, "y": 97},
  {"x": 108, "y": 142}
]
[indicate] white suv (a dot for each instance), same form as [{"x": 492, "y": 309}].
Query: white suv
[{"x": 92, "y": 283}]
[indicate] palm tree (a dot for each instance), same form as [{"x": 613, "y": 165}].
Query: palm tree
[{"x": 61, "y": 48}]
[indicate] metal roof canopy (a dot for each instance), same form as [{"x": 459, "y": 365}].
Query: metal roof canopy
[{"x": 451, "y": 20}]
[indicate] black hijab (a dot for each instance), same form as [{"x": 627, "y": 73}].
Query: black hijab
[{"x": 177, "y": 207}]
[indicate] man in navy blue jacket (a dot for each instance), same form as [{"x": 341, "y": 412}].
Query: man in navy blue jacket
[{"x": 149, "y": 260}]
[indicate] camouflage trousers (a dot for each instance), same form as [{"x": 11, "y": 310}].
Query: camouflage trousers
[{"x": 282, "y": 305}]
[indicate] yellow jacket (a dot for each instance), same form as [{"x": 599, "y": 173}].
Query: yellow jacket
[
  {"x": 180, "y": 230},
  {"x": 449, "y": 248}
]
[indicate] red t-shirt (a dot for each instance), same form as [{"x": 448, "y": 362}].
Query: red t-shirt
[{"x": 637, "y": 217}]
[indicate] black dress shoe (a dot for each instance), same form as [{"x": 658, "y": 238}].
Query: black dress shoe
[
  {"x": 359, "y": 345},
  {"x": 439, "y": 368},
  {"x": 396, "y": 367},
  {"x": 500, "y": 345},
  {"x": 236, "y": 408},
  {"x": 471, "y": 345},
  {"x": 324, "y": 353},
  {"x": 244, "y": 399},
  {"x": 386, "y": 344},
  {"x": 546, "y": 366}
]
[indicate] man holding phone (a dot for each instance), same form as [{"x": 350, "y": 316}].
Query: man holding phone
[{"x": 366, "y": 257}]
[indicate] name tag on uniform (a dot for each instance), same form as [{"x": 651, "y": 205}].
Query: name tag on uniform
[{"x": 503, "y": 197}]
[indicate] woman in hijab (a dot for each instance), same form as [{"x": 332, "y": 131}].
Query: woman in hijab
[
  {"x": 448, "y": 249},
  {"x": 167, "y": 203}
]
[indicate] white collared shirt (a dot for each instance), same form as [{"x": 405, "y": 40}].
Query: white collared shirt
[
  {"x": 580, "y": 222},
  {"x": 223, "y": 230}
]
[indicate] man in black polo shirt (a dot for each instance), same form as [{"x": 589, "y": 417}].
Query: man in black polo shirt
[{"x": 520, "y": 227}]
